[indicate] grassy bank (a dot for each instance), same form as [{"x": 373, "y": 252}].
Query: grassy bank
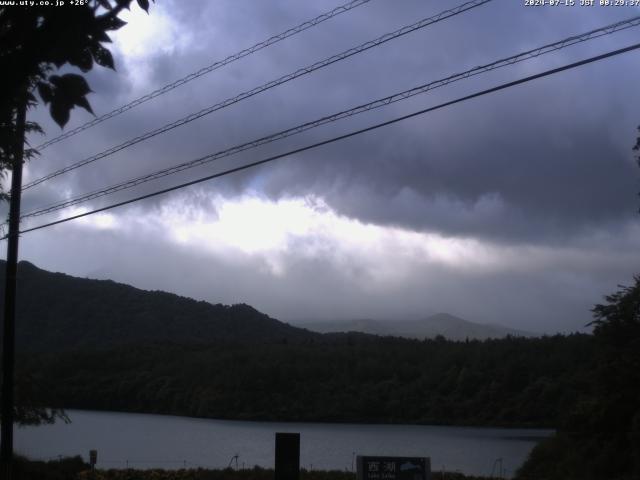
[
  {"x": 252, "y": 474},
  {"x": 63, "y": 469},
  {"x": 75, "y": 469}
]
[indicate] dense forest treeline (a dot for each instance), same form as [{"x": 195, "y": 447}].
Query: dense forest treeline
[{"x": 343, "y": 378}]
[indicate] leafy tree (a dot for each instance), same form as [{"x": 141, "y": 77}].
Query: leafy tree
[
  {"x": 599, "y": 437},
  {"x": 36, "y": 41},
  {"x": 600, "y": 434},
  {"x": 617, "y": 404}
]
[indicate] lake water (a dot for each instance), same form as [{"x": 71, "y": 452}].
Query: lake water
[{"x": 145, "y": 441}]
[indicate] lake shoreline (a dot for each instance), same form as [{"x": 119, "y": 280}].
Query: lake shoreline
[
  {"x": 258, "y": 419},
  {"x": 149, "y": 441}
]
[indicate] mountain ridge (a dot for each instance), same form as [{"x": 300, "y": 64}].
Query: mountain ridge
[
  {"x": 56, "y": 311},
  {"x": 444, "y": 324},
  {"x": 59, "y": 312}
]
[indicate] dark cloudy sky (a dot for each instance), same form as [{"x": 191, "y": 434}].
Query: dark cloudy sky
[{"x": 517, "y": 208}]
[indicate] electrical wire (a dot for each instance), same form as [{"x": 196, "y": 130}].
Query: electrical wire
[
  {"x": 267, "y": 86},
  {"x": 342, "y": 137},
  {"x": 609, "y": 29},
  {"x": 208, "y": 69}
]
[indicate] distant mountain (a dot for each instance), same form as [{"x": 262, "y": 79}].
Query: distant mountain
[
  {"x": 57, "y": 312},
  {"x": 449, "y": 326}
]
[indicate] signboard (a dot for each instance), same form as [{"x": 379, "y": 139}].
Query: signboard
[
  {"x": 93, "y": 457},
  {"x": 287, "y": 456},
  {"x": 393, "y": 468}
]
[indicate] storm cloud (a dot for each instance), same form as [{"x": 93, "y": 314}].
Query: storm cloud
[{"x": 518, "y": 207}]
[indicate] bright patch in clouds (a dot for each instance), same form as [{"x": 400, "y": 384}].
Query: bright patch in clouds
[
  {"x": 147, "y": 36},
  {"x": 285, "y": 257},
  {"x": 306, "y": 227},
  {"x": 279, "y": 233},
  {"x": 250, "y": 228},
  {"x": 98, "y": 221},
  {"x": 250, "y": 225}
]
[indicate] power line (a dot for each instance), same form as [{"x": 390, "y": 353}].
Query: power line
[
  {"x": 337, "y": 116},
  {"x": 343, "y": 137},
  {"x": 208, "y": 69},
  {"x": 267, "y": 86},
  {"x": 609, "y": 29}
]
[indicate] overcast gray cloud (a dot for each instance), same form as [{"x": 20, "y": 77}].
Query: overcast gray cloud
[{"x": 518, "y": 207}]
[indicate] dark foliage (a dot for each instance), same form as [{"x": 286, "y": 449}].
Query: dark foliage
[
  {"x": 599, "y": 437},
  {"x": 75, "y": 469},
  {"x": 69, "y": 468},
  {"x": 340, "y": 378},
  {"x": 228, "y": 474},
  {"x": 35, "y": 42},
  {"x": 256, "y": 473}
]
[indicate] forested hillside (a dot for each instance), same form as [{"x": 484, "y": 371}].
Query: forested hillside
[
  {"x": 344, "y": 378},
  {"x": 102, "y": 345},
  {"x": 57, "y": 312}
]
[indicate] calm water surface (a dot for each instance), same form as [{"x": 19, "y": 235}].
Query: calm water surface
[{"x": 144, "y": 441}]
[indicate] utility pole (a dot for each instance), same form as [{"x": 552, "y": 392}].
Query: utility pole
[{"x": 8, "y": 331}]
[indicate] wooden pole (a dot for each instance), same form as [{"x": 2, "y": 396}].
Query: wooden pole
[{"x": 8, "y": 331}]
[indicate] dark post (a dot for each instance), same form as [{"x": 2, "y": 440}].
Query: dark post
[
  {"x": 8, "y": 332},
  {"x": 287, "y": 456},
  {"x": 93, "y": 459}
]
